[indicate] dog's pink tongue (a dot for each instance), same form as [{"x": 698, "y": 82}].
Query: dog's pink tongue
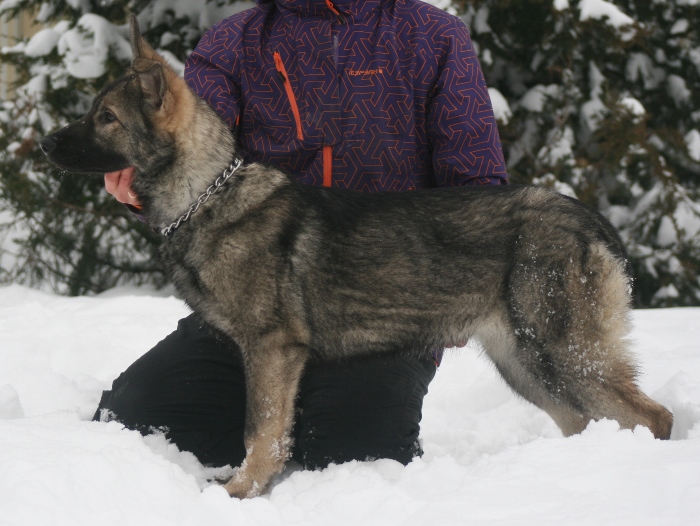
[{"x": 119, "y": 185}]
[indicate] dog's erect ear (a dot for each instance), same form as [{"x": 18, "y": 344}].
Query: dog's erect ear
[
  {"x": 136, "y": 38},
  {"x": 139, "y": 47},
  {"x": 141, "y": 50},
  {"x": 148, "y": 65},
  {"x": 153, "y": 85}
]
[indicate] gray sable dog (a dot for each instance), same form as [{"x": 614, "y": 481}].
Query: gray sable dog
[{"x": 293, "y": 273}]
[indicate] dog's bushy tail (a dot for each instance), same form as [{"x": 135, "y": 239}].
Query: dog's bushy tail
[{"x": 566, "y": 347}]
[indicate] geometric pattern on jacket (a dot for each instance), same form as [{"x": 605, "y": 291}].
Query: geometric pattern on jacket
[{"x": 370, "y": 95}]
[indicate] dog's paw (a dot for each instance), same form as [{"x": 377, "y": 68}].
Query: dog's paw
[{"x": 241, "y": 487}]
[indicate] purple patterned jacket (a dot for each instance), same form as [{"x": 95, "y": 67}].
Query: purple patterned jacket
[{"x": 370, "y": 95}]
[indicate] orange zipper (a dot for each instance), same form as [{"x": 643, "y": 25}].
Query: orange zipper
[
  {"x": 328, "y": 149},
  {"x": 332, "y": 7},
  {"x": 327, "y": 165},
  {"x": 335, "y": 11},
  {"x": 290, "y": 93}
]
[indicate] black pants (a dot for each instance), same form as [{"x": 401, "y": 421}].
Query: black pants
[{"x": 192, "y": 385}]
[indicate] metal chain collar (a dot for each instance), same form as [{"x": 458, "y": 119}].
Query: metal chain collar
[{"x": 211, "y": 190}]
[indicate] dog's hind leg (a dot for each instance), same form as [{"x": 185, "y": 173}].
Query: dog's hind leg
[
  {"x": 273, "y": 371},
  {"x": 563, "y": 344},
  {"x": 501, "y": 343}
]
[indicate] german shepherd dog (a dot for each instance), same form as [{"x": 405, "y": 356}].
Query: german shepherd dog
[{"x": 293, "y": 273}]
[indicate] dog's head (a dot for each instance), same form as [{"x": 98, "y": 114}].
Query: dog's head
[{"x": 131, "y": 121}]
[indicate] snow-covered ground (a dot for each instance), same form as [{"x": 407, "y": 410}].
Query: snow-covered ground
[{"x": 489, "y": 457}]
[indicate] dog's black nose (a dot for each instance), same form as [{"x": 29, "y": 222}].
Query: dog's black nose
[{"x": 47, "y": 144}]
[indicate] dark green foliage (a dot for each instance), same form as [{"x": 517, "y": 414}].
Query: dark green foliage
[
  {"x": 64, "y": 230},
  {"x": 599, "y": 110},
  {"x": 617, "y": 105}
]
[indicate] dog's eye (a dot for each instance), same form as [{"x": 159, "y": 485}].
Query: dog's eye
[{"x": 107, "y": 117}]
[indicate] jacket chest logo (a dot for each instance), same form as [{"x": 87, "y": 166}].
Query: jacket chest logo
[{"x": 357, "y": 72}]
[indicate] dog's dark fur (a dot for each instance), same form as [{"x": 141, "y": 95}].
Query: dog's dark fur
[{"x": 293, "y": 273}]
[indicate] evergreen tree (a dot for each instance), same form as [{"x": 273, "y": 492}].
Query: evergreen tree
[
  {"x": 64, "y": 230},
  {"x": 601, "y": 98}
]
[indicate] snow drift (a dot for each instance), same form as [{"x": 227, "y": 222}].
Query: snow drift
[{"x": 490, "y": 458}]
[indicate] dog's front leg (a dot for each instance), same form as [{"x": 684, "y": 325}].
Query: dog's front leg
[{"x": 273, "y": 370}]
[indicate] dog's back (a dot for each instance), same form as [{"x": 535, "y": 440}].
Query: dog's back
[{"x": 394, "y": 265}]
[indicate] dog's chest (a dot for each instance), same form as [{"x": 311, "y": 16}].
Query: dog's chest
[{"x": 184, "y": 263}]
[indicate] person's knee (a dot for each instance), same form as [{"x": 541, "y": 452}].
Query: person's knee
[
  {"x": 362, "y": 411},
  {"x": 191, "y": 386},
  {"x": 123, "y": 403}
]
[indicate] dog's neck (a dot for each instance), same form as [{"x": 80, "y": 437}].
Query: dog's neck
[
  {"x": 203, "y": 198},
  {"x": 205, "y": 148}
]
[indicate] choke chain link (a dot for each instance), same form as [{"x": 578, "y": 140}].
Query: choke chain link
[{"x": 211, "y": 190}]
